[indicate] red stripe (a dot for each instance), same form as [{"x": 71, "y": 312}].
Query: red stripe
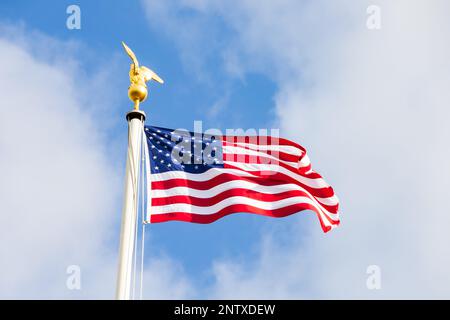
[
  {"x": 263, "y": 141},
  {"x": 305, "y": 171},
  {"x": 281, "y": 155},
  {"x": 281, "y": 177},
  {"x": 256, "y": 159},
  {"x": 209, "y": 218},
  {"x": 205, "y": 202},
  {"x": 264, "y": 180},
  {"x": 250, "y": 159}
]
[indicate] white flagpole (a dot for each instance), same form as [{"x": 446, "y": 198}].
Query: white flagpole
[
  {"x": 135, "y": 120},
  {"x": 137, "y": 92}
]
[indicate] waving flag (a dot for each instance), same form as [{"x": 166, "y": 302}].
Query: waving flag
[{"x": 200, "y": 178}]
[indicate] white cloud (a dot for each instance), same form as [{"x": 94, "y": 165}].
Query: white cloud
[
  {"x": 371, "y": 107},
  {"x": 60, "y": 186},
  {"x": 164, "y": 278}
]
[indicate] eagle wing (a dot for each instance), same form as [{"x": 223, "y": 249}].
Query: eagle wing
[
  {"x": 131, "y": 54},
  {"x": 150, "y": 75}
]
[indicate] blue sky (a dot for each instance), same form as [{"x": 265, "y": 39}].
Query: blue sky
[
  {"x": 361, "y": 100},
  {"x": 104, "y": 26},
  {"x": 182, "y": 99}
]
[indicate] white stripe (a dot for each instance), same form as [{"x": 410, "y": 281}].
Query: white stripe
[
  {"x": 188, "y": 208},
  {"x": 280, "y": 148},
  {"x": 330, "y": 201},
  {"x": 207, "y": 175},
  {"x": 305, "y": 161},
  {"x": 214, "y": 191},
  {"x": 232, "y": 152},
  {"x": 317, "y": 183}
]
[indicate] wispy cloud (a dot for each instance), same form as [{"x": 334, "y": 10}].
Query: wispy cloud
[
  {"x": 371, "y": 107},
  {"x": 60, "y": 186}
]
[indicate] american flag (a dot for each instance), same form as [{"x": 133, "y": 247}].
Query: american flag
[{"x": 200, "y": 178}]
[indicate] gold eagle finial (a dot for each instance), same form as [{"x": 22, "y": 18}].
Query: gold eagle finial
[{"x": 139, "y": 75}]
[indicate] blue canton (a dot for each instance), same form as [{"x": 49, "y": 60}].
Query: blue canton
[{"x": 182, "y": 150}]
